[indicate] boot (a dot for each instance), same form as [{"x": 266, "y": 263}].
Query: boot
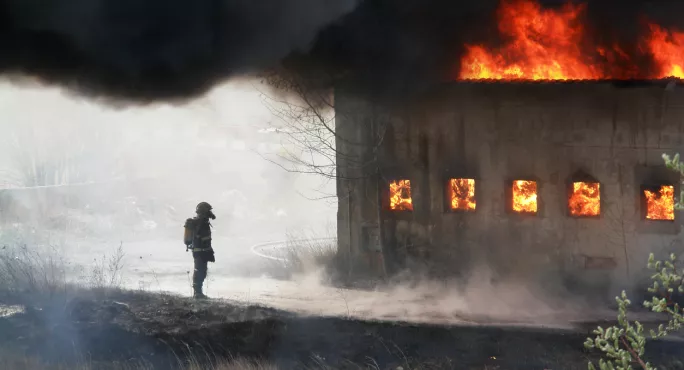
[{"x": 198, "y": 293}]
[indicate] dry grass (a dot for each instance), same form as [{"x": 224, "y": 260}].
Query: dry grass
[
  {"x": 15, "y": 361},
  {"x": 106, "y": 272},
  {"x": 314, "y": 254},
  {"x": 234, "y": 364},
  {"x": 308, "y": 253},
  {"x": 304, "y": 254},
  {"x": 44, "y": 271},
  {"x": 30, "y": 262},
  {"x": 24, "y": 269}
]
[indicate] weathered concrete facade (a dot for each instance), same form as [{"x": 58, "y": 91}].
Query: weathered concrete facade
[{"x": 496, "y": 132}]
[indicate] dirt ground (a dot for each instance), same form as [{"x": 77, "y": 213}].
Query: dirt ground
[{"x": 161, "y": 329}]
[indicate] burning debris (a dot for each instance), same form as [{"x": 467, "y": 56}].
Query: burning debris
[
  {"x": 585, "y": 199},
  {"x": 660, "y": 204},
  {"x": 547, "y": 44},
  {"x": 400, "y": 195},
  {"x": 462, "y": 194},
  {"x": 524, "y": 196}
]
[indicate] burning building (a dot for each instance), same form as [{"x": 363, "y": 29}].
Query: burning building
[{"x": 532, "y": 161}]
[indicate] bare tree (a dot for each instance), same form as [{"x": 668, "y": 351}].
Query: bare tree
[{"x": 306, "y": 118}]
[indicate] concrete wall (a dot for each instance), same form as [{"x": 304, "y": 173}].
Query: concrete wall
[{"x": 497, "y": 132}]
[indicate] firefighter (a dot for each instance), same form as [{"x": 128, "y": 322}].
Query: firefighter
[{"x": 198, "y": 239}]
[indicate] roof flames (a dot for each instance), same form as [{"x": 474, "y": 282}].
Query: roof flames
[{"x": 551, "y": 44}]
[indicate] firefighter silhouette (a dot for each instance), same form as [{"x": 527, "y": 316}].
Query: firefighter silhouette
[{"x": 198, "y": 239}]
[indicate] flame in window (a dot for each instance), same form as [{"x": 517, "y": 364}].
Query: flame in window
[
  {"x": 585, "y": 199},
  {"x": 462, "y": 194},
  {"x": 660, "y": 204},
  {"x": 525, "y": 196},
  {"x": 400, "y": 195}
]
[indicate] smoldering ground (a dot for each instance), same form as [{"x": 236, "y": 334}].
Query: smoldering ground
[
  {"x": 136, "y": 327},
  {"x": 111, "y": 327}
]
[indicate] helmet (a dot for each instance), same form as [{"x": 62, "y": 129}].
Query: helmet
[{"x": 204, "y": 209}]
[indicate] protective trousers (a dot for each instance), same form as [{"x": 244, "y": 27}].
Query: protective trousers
[{"x": 200, "y": 273}]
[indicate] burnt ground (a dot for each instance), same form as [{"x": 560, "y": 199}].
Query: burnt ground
[{"x": 161, "y": 329}]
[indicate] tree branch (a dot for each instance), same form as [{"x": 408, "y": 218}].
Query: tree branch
[{"x": 632, "y": 352}]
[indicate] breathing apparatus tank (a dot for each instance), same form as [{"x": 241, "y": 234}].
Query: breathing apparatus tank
[{"x": 189, "y": 231}]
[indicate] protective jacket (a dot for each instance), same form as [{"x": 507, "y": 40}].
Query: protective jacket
[{"x": 201, "y": 241}]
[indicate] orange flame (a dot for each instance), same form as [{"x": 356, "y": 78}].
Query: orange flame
[
  {"x": 525, "y": 196},
  {"x": 400, "y": 195},
  {"x": 546, "y": 44},
  {"x": 667, "y": 49},
  {"x": 462, "y": 194},
  {"x": 660, "y": 205},
  {"x": 585, "y": 199}
]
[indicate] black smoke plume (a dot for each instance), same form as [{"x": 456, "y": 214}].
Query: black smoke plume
[
  {"x": 149, "y": 50},
  {"x": 145, "y": 50}
]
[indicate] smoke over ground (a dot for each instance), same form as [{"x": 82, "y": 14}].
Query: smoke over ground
[
  {"x": 78, "y": 167},
  {"x": 476, "y": 300}
]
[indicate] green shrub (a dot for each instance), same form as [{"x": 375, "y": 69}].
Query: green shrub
[{"x": 623, "y": 345}]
